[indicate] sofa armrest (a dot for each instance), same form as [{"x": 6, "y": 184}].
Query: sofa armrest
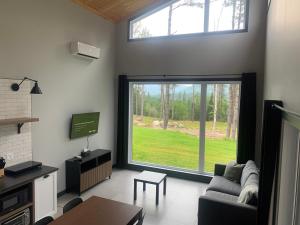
[
  {"x": 221, "y": 212},
  {"x": 219, "y": 169}
]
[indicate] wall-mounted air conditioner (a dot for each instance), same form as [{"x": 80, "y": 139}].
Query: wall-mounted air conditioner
[{"x": 85, "y": 50}]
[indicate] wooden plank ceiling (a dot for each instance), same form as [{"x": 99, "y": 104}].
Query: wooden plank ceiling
[{"x": 116, "y": 10}]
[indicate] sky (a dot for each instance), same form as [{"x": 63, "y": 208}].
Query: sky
[
  {"x": 187, "y": 19},
  {"x": 154, "y": 89}
]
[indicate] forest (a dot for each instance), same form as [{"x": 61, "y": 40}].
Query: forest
[{"x": 222, "y": 104}]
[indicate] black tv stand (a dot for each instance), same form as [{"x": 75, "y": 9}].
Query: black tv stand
[{"x": 89, "y": 171}]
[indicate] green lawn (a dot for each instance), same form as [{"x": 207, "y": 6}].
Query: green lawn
[{"x": 172, "y": 148}]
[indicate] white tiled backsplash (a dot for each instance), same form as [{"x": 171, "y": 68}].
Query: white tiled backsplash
[{"x": 14, "y": 147}]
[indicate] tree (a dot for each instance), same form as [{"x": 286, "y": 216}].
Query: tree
[
  {"x": 170, "y": 19},
  {"x": 210, "y": 108},
  {"x": 230, "y": 111},
  {"x": 215, "y": 106},
  {"x": 162, "y": 100},
  {"x": 233, "y": 14},
  {"x": 241, "y": 15},
  {"x": 136, "y": 99},
  {"x": 173, "y": 87},
  {"x": 236, "y": 90},
  {"x": 165, "y": 101},
  {"x": 140, "y": 31},
  {"x": 233, "y": 111},
  {"x": 177, "y": 5},
  {"x": 193, "y": 104},
  {"x": 222, "y": 106},
  {"x": 238, "y": 12},
  {"x": 142, "y": 93}
]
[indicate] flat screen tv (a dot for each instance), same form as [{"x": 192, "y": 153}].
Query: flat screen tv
[{"x": 84, "y": 124}]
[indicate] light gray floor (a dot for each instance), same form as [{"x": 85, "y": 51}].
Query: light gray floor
[{"x": 178, "y": 207}]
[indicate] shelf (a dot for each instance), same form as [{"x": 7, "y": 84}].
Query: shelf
[{"x": 18, "y": 121}]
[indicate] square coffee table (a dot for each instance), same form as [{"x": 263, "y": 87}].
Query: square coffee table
[{"x": 147, "y": 177}]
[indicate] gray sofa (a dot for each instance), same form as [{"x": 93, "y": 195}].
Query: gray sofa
[{"x": 219, "y": 205}]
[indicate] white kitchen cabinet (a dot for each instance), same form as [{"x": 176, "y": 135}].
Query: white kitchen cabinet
[{"x": 45, "y": 190}]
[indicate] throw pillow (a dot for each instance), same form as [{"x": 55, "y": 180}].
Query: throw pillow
[
  {"x": 249, "y": 194},
  {"x": 250, "y": 168},
  {"x": 233, "y": 171}
]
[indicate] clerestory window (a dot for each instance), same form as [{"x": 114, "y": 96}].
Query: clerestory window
[{"x": 182, "y": 17}]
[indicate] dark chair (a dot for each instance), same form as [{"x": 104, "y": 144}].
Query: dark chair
[
  {"x": 44, "y": 221},
  {"x": 71, "y": 204},
  {"x": 140, "y": 222}
]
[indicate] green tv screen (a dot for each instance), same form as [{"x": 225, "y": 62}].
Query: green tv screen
[{"x": 84, "y": 124}]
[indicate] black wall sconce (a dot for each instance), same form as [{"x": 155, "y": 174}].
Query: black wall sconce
[{"x": 35, "y": 90}]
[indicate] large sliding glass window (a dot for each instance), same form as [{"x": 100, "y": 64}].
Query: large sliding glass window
[
  {"x": 222, "y": 115},
  {"x": 183, "y": 126}
]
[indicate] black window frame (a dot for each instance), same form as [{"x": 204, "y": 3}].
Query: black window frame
[
  {"x": 206, "y": 24},
  {"x": 247, "y": 120}
]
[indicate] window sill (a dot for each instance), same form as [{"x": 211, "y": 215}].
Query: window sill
[
  {"x": 188, "y": 175},
  {"x": 180, "y": 36}
]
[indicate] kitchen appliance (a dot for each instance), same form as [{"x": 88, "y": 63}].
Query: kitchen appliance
[
  {"x": 14, "y": 199},
  {"x": 22, "y": 218},
  {"x": 22, "y": 168}
]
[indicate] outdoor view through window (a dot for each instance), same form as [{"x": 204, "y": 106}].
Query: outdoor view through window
[
  {"x": 187, "y": 126},
  {"x": 191, "y": 16}
]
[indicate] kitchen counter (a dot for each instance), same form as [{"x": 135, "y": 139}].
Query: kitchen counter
[{"x": 9, "y": 182}]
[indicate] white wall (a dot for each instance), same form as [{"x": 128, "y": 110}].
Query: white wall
[
  {"x": 282, "y": 81},
  {"x": 199, "y": 55},
  {"x": 34, "y": 41},
  {"x": 283, "y": 53}
]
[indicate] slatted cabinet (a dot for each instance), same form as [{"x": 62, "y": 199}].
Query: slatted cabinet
[
  {"x": 94, "y": 176},
  {"x": 83, "y": 174}
]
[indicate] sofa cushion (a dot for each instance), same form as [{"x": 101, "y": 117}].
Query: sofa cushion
[
  {"x": 221, "y": 196},
  {"x": 221, "y": 184},
  {"x": 250, "y": 168},
  {"x": 234, "y": 171}
]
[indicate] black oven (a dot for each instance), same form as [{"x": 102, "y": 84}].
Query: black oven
[
  {"x": 22, "y": 218},
  {"x": 14, "y": 199}
]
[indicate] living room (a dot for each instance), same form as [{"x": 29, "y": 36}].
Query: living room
[{"x": 211, "y": 81}]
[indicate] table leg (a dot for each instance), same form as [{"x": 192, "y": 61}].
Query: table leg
[
  {"x": 134, "y": 190},
  {"x": 165, "y": 186},
  {"x": 138, "y": 218},
  {"x": 157, "y": 194},
  {"x": 144, "y": 186}
]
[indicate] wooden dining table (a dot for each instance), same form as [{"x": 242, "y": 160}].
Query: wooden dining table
[{"x": 101, "y": 211}]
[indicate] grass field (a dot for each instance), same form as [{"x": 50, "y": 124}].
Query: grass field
[{"x": 177, "y": 149}]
